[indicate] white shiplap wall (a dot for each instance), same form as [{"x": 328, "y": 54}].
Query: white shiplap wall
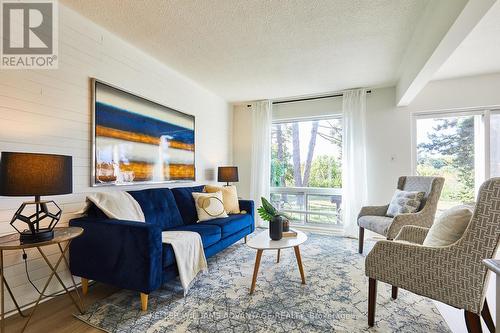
[{"x": 49, "y": 111}]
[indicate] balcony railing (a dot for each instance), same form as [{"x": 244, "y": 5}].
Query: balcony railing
[{"x": 310, "y": 205}]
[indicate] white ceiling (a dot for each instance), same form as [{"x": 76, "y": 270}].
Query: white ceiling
[
  {"x": 479, "y": 53},
  {"x": 247, "y": 50}
]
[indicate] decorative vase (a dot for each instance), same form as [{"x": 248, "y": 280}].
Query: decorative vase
[
  {"x": 286, "y": 225},
  {"x": 276, "y": 228}
]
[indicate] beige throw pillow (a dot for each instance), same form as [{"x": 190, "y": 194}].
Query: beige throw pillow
[
  {"x": 449, "y": 227},
  {"x": 209, "y": 206},
  {"x": 229, "y": 197}
]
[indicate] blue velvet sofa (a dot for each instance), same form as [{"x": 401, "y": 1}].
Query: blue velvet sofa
[{"x": 130, "y": 255}]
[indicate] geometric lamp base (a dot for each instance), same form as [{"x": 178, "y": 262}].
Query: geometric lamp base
[
  {"x": 40, "y": 217},
  {"x": 42, "y": 235}
]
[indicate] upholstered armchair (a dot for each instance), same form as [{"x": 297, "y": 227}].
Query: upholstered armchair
[
  {"x": 452, "y": 274},
  {"x": 374, "y": 219}
]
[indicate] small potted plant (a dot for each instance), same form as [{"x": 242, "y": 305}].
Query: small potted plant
[{"x": 275, "y": 218}]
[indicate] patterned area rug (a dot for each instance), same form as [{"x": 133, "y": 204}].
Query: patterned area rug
[{"x": 333, "y": 300}]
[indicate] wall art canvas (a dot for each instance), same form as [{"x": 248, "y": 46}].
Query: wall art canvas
[{"x": 139, "y": 141}]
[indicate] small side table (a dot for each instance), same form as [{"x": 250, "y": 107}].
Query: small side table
[
  {"x": 494, "y": 266},
  {"x": 262, "y": 242},
  {"x": 12, "y": 242}
]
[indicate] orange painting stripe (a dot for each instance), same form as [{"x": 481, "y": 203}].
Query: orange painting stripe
[
  {"x": 144, "y": 171},
  {"x": 138, "y": 137}
]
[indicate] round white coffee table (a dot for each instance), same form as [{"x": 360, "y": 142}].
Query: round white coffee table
[{"x": 262, "y": 242}]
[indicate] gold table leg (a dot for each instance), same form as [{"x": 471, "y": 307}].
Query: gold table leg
[
  {"x": 299, "y": 262},
  {"x": 54, "y": 273},
  {"x": 256, "y": 270}
]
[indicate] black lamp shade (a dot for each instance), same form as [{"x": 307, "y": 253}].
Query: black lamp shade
[
  {"x": 227, "y": 174},
  {"x": 28, "y": 174}
]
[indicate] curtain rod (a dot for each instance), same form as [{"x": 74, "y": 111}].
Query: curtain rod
[{"x": 313, "y": 98}]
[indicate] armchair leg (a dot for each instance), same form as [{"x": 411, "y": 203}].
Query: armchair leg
[
  {"x": 144, "y": 302},
  {"x": 361, "y": 236},
  {"x": 486, "y": 314},
  {"x": 473, "y": 322},
  {"x": 372, "y": 301},
  {"x": 394, "y": 292},
  {"x": 245, "y": 239}
]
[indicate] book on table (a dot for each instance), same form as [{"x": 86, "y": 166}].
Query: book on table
[{"x": 290, "y": 233}]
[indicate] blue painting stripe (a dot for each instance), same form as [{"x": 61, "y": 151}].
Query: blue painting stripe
[{"x": 117, "y": 118}]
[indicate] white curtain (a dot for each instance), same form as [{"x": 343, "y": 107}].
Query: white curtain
[
  {"x": 354, "y": 188},
  {"x": 261, "y": 153}
]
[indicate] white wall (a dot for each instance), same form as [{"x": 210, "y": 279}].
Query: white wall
[{"x": 49, "y": 111}]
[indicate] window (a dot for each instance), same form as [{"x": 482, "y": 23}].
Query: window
[
  {"x": 462, "y": 147},
  {"x": 306, "y": 170}
]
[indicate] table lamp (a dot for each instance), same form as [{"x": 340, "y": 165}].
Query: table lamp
[
  {"x": 28, "y": 174},
  {"x": 227, "y": 174}
]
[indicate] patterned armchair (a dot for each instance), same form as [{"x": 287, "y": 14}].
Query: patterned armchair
[
  {"x": 374, "y": 219},
  {"x": 452, "y": 274}
]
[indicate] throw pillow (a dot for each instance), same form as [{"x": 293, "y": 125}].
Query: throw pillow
[
  {"x": 449, "y": 227},
  {"x": 404, "y": 202},
  {"x": 229, "y": 197},
  {"x": 209, "y": 205}
]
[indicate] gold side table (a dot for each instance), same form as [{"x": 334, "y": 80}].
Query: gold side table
[{"x": 12, "y": 242}]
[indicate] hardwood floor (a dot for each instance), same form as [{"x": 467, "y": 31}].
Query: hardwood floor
[{"x": 56, "y": 315}]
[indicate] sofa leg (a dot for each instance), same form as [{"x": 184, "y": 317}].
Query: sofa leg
[
  {"x": 485, "y": 313},
  {"x": 372, "y": 301},
  {"x": 473, "y": 322},
  {"x": 361, "y": 236},
  {"x": 144, "y": 302},
  {"x": 85, "y": 286},
  {"x": 394, "y": 292},
  {"x": 245, "y": 239}
]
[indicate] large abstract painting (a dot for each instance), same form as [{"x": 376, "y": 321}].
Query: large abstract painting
[{"x": 139, "y": 141}]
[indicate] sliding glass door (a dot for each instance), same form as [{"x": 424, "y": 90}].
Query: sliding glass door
[{"x": 306, "y": 170}]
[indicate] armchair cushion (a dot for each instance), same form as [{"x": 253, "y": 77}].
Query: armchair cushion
[
  {"x": 412, "y": 234},
  {"x": 404, "y": 202},
  {"x": 378, "y": 224},
  {"x": 449, "y": 227}
]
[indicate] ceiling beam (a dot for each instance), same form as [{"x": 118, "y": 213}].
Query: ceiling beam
[{"x": 441, "y": 29}]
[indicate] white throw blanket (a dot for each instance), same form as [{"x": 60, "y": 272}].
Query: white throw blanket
[
  {"x": 189, "y": 254},
  {"x": 118, "y": 205}
]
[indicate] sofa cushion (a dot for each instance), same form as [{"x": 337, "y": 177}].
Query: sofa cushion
[
  {"x": 184, "y": 198},
  {"x": 229, "y": 197},
  {"x": 378, "y": 224},
  {"x": 209, "y": 206},
  {"x": 232, "y": 224},
  {"x": 210, "y": 234},
  {"x": 159, "y": 207}
]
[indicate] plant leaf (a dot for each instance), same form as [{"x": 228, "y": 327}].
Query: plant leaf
[
  {"x": 268, "y": 207},
  {"x": 264, "y": 214}
]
